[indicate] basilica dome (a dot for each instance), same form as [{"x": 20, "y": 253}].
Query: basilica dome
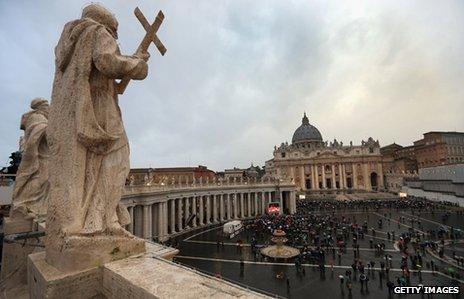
[{"x": 306, "y": 132}]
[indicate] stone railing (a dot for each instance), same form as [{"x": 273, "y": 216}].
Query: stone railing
[{"x": 215, "y": 185}]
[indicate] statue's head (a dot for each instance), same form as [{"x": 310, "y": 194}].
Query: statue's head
[
  {"x": 103, "y": 16},
  {"x": 39, "y": 103}
]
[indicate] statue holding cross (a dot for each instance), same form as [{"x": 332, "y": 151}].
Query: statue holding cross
[{"x": 89, "y": 149}]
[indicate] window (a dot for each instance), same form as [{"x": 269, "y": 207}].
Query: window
[{"x": 282, "y": 155}]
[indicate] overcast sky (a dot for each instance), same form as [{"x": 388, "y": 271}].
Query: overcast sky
[{"x": 238, "y": 75}]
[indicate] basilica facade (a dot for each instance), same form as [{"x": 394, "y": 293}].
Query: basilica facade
[{"x": 319, "y": 166}]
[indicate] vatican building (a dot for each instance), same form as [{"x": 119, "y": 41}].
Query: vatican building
[{"x": 315, "y": 165}]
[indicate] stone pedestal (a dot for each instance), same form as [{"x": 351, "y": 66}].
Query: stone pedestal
[
  {"x": 79, "y": 253},
  {"x": 46, "y": 281},
  {"x": 14, "y": 255}
]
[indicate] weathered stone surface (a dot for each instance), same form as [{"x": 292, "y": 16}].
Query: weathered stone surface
[
  {"x": 89, "y": 159},
  {"x": 45, "y": 281},
  {"x": 14, "y": 255},
  {"x": 31, "y": 187},
  {"x": 148, "y": 276}
]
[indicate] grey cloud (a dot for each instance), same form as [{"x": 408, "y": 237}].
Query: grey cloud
[{"x": 238, "y": 74}]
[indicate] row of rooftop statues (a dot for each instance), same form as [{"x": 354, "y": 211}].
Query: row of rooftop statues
[{"x": 75, "y": 150}]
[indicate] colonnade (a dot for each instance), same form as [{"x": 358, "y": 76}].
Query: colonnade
[{"x": 172, "y": 214}]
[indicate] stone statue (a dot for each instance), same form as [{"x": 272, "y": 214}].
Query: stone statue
[
  {"x": 89, "y": 159},
  {"x": 31, "y": 190}
]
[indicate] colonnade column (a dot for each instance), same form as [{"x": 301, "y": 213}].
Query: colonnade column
[
  {"x": 194, "y": 211},
  {"x": 160, "y": 221},
  {"x": 179, "y": 214},
  {"x": 187, "y": 210},
  {"x": 228, "y": 202},
  {"x": 173, "y": 216},
  {"x": 221, "y": 207},
  {"x": 215, "y": 208},
  {"x": 165, "y": 222},
  {"x": 208, "y": 209},
  {"x": 334, "y": 185},
  {"x": 201, "y": 212},
  {"x": 131, "y": 224},
  {"x": 236, "y": 203},
  {"x": 147, "y": 221},
  {"x": 242, "y": 208}
]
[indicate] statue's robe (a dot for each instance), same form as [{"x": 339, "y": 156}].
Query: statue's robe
[
  {"x": 89, "y": 149},
  {"x": 31, "y": 187}
]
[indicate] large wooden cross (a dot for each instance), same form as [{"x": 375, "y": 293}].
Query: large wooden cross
[{"x": 149, "y": 37}]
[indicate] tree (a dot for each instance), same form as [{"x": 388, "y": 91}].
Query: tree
[{"x": 15, "y": 160}]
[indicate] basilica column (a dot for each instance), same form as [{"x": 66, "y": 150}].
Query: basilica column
[
  {"x": 194, "y": 211},
  {"x": 316, "y": 177},
  {"x": 334, "y": 185},
  {"x": 324, "y": 182},
  {"x": 341, "y": 168},
  {"x": 313, "y": 180},
  {"x": 355, "y": 176},
  {"x": 131, "y": 224},
  {"x": 208, "y": 209},
  {"x": 281, "y": 203},
  {"x": 381, "y": 182},
  {"x": 263, "y": 203},
  {"x": 201, "y": 212},
  {"x": 179, "y": 214},
  {"x": 367, "y": 184},
  {"x": 303, "y": 179},
  {"x": 249, "y": 214},
  {"x": 147, "y": 222},
  {"x": 256, "y": 203}
]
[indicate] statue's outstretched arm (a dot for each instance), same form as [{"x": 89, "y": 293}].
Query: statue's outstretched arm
[{"x": 111, "y": 63}]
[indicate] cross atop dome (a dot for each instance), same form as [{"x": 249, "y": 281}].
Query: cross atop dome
[{"x": 305, "y": 120}]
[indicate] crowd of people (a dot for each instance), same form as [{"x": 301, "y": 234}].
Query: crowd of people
[{"x": 325, "y": 231}]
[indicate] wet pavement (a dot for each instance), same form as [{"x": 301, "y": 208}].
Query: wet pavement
[{"x": 199, "y": 250}]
